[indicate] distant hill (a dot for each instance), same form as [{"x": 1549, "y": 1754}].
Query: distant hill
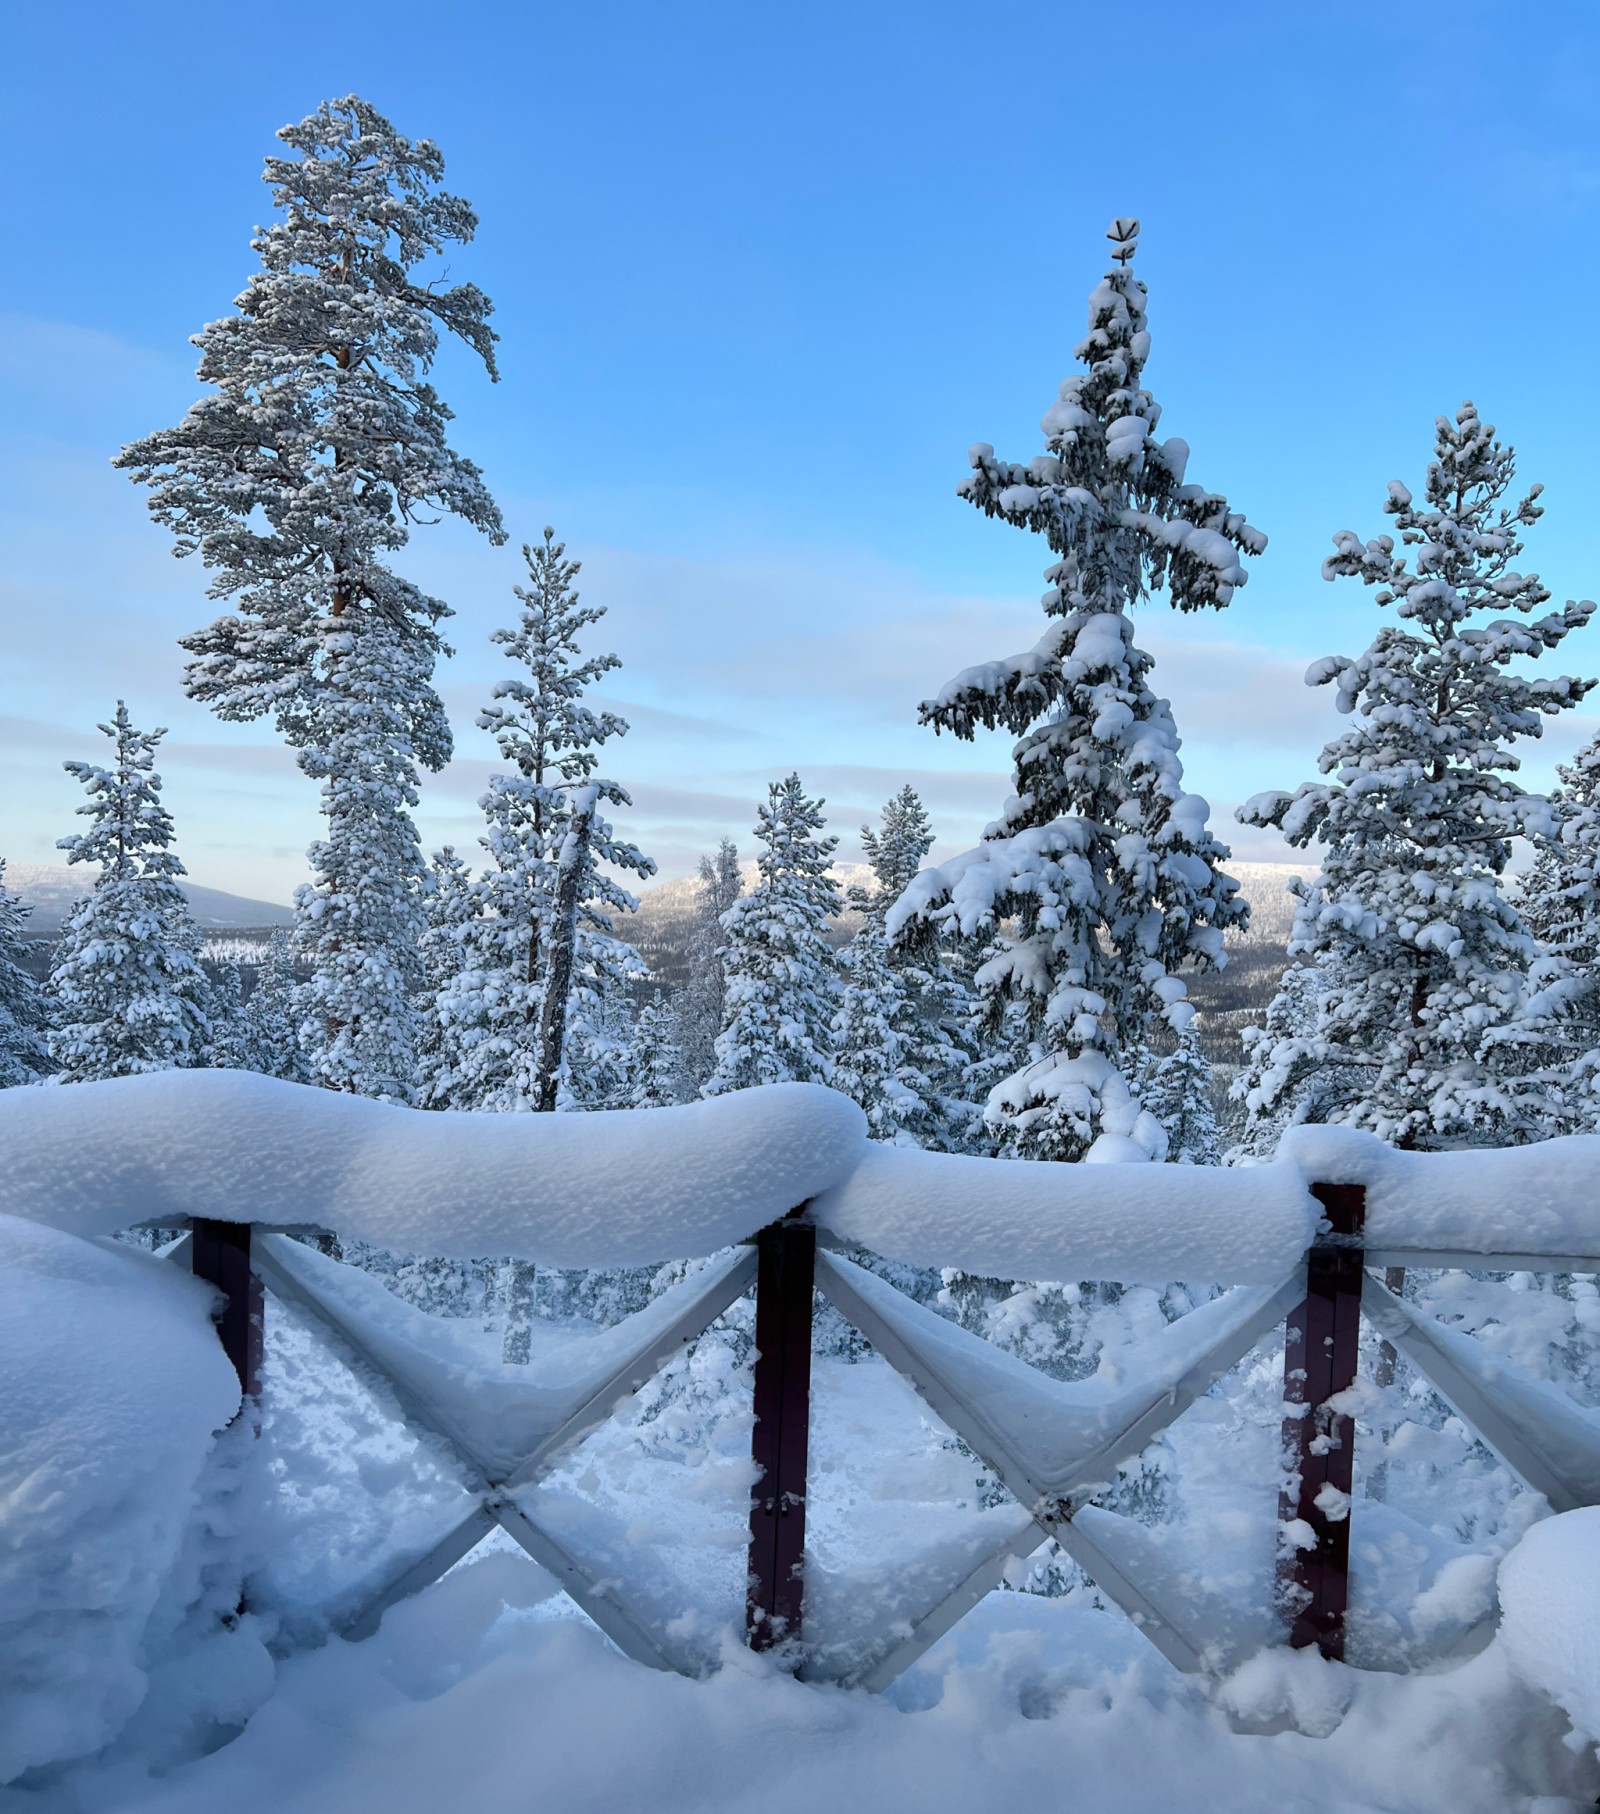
[
  {"x": 51, "y": 892},
  {"x": 659, "y": 931}
]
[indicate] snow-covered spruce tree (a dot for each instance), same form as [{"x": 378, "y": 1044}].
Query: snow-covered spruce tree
[
  {"x": 1285, "y": 1039},
  {"x": 1423, "y": 957},
  {"x": 902, "y": 1030},
  {"x": 1100, "y": 881},
  {"x": 551, "y": 740},
  {"x": 657, "y": 1063},
  {"x": 233, "y": 1044},
  {"x": 273, "y": 1012},
  {"x": 24, "y": 1008},
  {"x": 1176, "y": 1089},
  {"x": 698, "y": 1008},
  {"x": 1560, "y": 901},
  {"x": 294, "y": 478},
  {"x": 782, "y": 976},
  {"x": 452, "y": 909},
  {"x": 875, "y": 1064},
  {"x": 130, "y": 993}
]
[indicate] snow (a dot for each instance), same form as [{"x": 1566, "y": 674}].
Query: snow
[
  {"x": 1550, "y": 1614},
  {"x": 114, "y": 1383},
  {"x": 1140, "y": 1224},
  {"x": 473, "y": 1694},
  {"x": 620, "y": 1188},
  {"x": 633, "y": 1186},
  {"x": 1538, "y": 1199}
]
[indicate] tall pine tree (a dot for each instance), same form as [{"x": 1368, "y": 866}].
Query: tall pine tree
[
  {"x": 782, "y": 977},
  {"x": 1424, "y": 959},
  {"x": 1100, "y": 881},
  {"x": 295, "y": 478},
  {"x": 131, "y": 995},
  {"x": 544, "y": 812}
]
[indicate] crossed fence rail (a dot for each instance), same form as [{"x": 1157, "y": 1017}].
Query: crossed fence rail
[{"x": 1054, "y": 1446}]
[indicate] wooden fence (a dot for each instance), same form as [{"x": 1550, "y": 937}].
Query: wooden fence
[{"x": 1055, "y": 1447}]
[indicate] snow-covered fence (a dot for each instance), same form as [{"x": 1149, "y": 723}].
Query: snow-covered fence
[{"x": 776, "y": 1188}]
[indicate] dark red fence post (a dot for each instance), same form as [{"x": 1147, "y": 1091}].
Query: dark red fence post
[
  {"x": 786, "y": 1255},
  {"x": 1319, "y": 1362},
  {"x": 220, "y": 1254}
]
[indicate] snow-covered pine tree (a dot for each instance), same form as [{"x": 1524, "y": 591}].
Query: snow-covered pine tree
[
  {"x": 782, "y": 976},
  {"x": 273, "y": 1012},
  {"x": 233, "y": 1044},
  {"x": 1560, "y": 901},
  {"x": 552, "y": 741},
  {"x": 24, "y": 1008},
  {"x": 875, "y": 1066},
  {"x": 1286, "y": 1040},
  {"x": 698, "y": 1007},
  {"x": 894, "y": 853},
  {"x": 657, "y": 1063},
  {"x": 1104, "y": 864},
  {"x": 1423, "y": 957},
  {"x": 902, "y": 1029},
  {"x": 294, "y": 478},
  {"x": 452, "y": 909},
  {"x": 130, "y": 993},
  {"x": 1176, "y": 1089}
]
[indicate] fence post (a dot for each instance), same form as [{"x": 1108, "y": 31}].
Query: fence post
[
  {"x": 220, "y": 1254},
  {"x": 785, "y": 1269},
  {"x": 1319, "y": 1361}
]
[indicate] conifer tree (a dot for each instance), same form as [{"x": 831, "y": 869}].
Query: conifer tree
[
  {"x": 452, "y": 909},
  {"x": 903, "y": 1032},
  {"x": 1560, "y": 902},
  {"x": 131, "y": 995},
  {"x": 1424, "y": 959},
  {"x": 295, "y": 478},
  {"x": 875, "y": 1064},
  {"x": 24, "y": 1009},
  {"x": 1176, "y": 1089},
  {"x": 782, "y": 984},
  {"x": 699, "y": 1007},
  {"x": 895, "y": 853},
  {"x": 1101, "y": 881},
  {"x": 233, "y": 1035},
  {"x": 548, "y": 809},
  {"x": 658, "y": 1065},
  {"x": 274, "y": 1015},
  {"x": 1285, "y": 1046}
]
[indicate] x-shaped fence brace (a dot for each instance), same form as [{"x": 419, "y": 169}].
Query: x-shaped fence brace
[{"x": 1053, "y": 1445}]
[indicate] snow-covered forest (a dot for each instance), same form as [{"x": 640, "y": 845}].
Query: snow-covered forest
[{"x": 1040, "y": 998}]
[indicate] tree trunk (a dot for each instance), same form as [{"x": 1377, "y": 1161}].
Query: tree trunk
[{"x": 571, "y": 867}]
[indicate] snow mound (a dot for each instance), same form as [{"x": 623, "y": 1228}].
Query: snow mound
[
  {"x": 1139, "y": 1224},
  {"x": 622, "y": 1188},
  {"x": 1550, "y": 1613},
  {"x": 1521, "y": 1199},
  {"x": 114, "y": 1383}
]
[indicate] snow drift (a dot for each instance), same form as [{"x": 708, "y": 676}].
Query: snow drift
[{"x": 114, "y": 1384}]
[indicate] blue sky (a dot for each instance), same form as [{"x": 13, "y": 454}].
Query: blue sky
[{"x": 762, "y": 275}]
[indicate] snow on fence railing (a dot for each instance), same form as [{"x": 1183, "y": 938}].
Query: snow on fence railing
[{"x": 755, "y": 1183}]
